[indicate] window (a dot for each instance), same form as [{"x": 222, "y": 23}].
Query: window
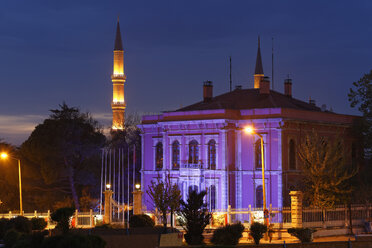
[
  {"x": 193, "y": 152},
  {"x": 258, "y": 156},
  {"x": 193, "y": 188},
  {"x": 212, "y": 155},
  {"x": 175, "y": 155},
  {"x": 353, "y": 155},
  {"x": 212, "y": 197},
  {"x": 259, "y": 197},
  {"x": 292, "y": 155},
  {"x": 159, "y": 156}
]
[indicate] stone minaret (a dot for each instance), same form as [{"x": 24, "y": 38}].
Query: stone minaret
[
  {"x": 118, "y": 78},
  {"x": 258, "y": 72}
]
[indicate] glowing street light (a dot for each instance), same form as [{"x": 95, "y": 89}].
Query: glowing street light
[
  {"x": 5, "y": 156},
  {"x": 137, "y": 186},
  {"x": 250, "y": 130},
  {"x": 108, "y": 186}
]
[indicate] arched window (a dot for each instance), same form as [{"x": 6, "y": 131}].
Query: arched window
[
  {"x": 159, "y": 156},
  {"x": 292, "y": 155},
  {"x": 193, "y": 152},
  {"x": 258, "y": 156},
  {"x": 175, "y": 155},
  {"x": 212, "y": 197},
  {"x": 193, "y": 188},
  {"x": 212, "y": 155},
  {"x": 259, "y": 197}
]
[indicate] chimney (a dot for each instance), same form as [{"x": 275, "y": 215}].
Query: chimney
[
  {"x": 265, "y": 85},
  {"x": 207, "y": 91},
  {"x": 288, "y": 87},
  {"x": 312, "y": 101}
]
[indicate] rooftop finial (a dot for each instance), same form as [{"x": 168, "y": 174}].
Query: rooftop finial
[
  {"x": 258, "y": 69},
  {"x": 118, "y": 43}
]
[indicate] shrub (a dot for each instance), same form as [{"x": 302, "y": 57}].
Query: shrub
[
  {"x": 228, "y": 235},
  {"x": 20, "y": 224},
  {"x": 11, "y": 237},
  {"x": 303, "y": 234},
  {"x": 257, "y": 231},
  {"x": 141, "y": 220},
  {"x": 4, "y": 226},
  {"x": 74, "y": 241},
  {"x": 62, "y": 216},
  {"x": 38, "y": 224}
]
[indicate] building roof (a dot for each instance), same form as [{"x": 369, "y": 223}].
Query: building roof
[
  {"x": 251, "y": 99},
  {"x": 118, "y": 42}
]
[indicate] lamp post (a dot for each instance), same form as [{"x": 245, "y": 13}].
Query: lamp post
[
  {"x": 250, "y": 130},
  {"x": 5, "y": 156}
]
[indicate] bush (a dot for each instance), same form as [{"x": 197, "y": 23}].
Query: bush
[
  {"x": 62, "y": 216},
  {"x": 141, "y": 220},
  {"x": 4, "y": 226},
  {"x": 74, "y": 241},
  {"x": 38, "y": 224},
  {"x": 305, "y": 235},
  {"x": 228, "y": 235},
  {"x": 20, "y": 224},
  {"x": 11, "y": 237},
  {"x": 257, "y": 231}
]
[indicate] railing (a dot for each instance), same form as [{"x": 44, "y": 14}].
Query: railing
[{"x": 78, "y": 220}]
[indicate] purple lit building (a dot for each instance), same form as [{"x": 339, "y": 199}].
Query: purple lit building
[{"x": 203, "y": 146}]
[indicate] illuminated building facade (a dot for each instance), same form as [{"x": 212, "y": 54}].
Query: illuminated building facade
[
  {"x": 203, "y": 146},
  {"x": 118, "y": 79}
]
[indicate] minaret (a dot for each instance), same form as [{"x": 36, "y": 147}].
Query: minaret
[
  {"x": 258, "y": 72},
  {"x": 118, "y": 78}
]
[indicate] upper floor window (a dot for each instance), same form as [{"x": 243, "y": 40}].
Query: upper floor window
[
  {"x": 193, "y": 188},
  {"x": 159, "y": 156},
  {"x": 258, "y": 155},
  {"x": 193, "y": 152},
  {"x": 292, "y": 155},
  {"x": 212, "y": 154},
  {"x": 175, "y": 155}
]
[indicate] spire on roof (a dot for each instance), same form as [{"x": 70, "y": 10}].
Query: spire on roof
[
  {"x": 258, "y": 69},
  {"x": 118, "y": 42}
]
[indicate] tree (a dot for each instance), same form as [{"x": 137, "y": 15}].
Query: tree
[
  {"x": 326, "y": 171},
  {"x": 66, "y": 148},
  {"x": 361, "y": 97},
  {"x": 166, "y": 198},
  {"x": 195, "y": 217}
]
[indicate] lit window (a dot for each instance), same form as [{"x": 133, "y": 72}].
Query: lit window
[
  {"x": 259, "y": 197},
  {"x": 175, "y": 155},
  {"x": 193, "y": 152},
  {"x": 212, "y": 155},
  {"x": 258, "y": 156},
  {"x": 159, "y": 156}
]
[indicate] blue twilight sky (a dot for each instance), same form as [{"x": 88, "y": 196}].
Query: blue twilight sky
[{"x": 53, "y": 51}]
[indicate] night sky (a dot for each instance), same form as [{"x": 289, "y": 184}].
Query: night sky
[{"x": 54, "y": 51}]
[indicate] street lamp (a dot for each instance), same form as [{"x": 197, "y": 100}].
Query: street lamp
[
  {"x": 5, "y": 156},
  {"x": 250, "y": 130}
]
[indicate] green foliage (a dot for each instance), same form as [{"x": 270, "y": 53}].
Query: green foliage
[
  {"x": 38, "y": 224},
  {"x": 228, "y": 235},
  {"x": 165, "y": 196},
  {"x": 64, "y": 147},
  {"x": 11, "y": 237},
  {"x": 257, "y": 231},
  {"x": 20, "y": 224},
  {"x": 303, "y": 234},
  {"x": 141, "y": 220},
  {"x": 62, "y": 216},
  {"x": 326, "y": 171},
  {"x": 74, "y": 241},
  {"x": 194, "y": 217}
]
